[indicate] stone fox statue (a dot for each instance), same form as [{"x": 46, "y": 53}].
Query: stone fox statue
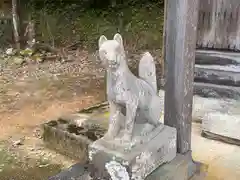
[{"x": 131, "y": 97}]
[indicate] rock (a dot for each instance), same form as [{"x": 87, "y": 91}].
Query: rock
[
  {"x": 18, "y": 142},
  {"x": 10, "y": 52},
  {"x": 39, "y": 59},
  {"x": 32, "y": 149},
  {"x": 43, "y": 165},
  {"x": 38, "y": 133}
]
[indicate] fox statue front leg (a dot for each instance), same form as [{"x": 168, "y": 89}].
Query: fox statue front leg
[
  {"x": 131, "y": 108},
  {"x": 114, "y": 120}
]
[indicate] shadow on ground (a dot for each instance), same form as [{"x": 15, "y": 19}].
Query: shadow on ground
[{"x": 12, "y": 168}]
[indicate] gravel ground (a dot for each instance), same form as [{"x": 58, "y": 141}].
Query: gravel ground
[{"x": 48, "y": 80}]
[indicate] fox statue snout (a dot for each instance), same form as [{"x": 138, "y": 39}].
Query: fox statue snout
[{"x": 111, "y": 51}]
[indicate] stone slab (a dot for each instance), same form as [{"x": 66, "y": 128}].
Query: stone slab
[
  {"x": 209, "y": 74},
  {"x": 216, "y": 91},
  {"x": 222, "y": 126},
  {"x": 135, "y": 161}
]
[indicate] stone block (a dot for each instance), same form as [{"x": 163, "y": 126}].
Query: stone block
[
  {"x": 216, "y": 91},
  {"x": 222, "y": 126},
  {"x": 70, "y": 139},
  {"x": 136, "y": 162}
]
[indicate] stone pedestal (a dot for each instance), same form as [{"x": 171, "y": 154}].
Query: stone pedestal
[
  {"x": 114, "y": 160},
  {"x": 181, "y": 167}
]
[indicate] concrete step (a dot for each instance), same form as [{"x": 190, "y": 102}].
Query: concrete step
[
  {"x": 221, "y": 75},
  {"x": 217, "y": 57},
  {"x": 216, "y": 91}
]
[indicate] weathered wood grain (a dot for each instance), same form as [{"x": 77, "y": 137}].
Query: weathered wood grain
[
  {"x": 180, "y": 44},
  {"x": 219, "y": 24}
]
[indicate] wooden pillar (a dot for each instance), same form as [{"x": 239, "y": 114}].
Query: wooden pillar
[
  {"x": 162, "y": 60},
  {"x": 180, "y": 44}
]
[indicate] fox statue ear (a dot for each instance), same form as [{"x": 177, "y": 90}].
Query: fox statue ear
[
  {"x": 101, "y": 40},
  {"x": 117, "y": 37}
]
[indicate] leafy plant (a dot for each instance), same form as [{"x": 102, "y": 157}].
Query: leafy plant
[{"x": 61, "y": 22}]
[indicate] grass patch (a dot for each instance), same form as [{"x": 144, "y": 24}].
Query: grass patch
[{"x": 7, "y": 161}]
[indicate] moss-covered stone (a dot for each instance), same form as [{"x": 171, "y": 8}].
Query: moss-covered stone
[{"x": 71, "y": 138}]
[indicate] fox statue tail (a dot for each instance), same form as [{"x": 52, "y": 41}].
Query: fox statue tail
[{"x": 147, "y": 70}]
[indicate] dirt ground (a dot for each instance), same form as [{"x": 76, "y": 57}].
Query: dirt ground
[{"x": 33, "y": 94}]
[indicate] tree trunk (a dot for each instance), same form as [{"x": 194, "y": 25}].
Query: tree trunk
[
  {"x": 30, "y": 33},
  {"x": 16, "y": 28}
]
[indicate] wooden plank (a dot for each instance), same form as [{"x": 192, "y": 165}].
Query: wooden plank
[
  {"x": 204, "y": 23},
  {"x": 218, "y": 26},
  {"x": 218, "y": 137},
  {"x": 180, "y": 44}
]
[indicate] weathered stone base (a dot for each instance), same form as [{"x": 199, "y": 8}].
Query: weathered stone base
[
  {"x": 181, "y": 167},
  {"x": 135, "y": 162}
]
